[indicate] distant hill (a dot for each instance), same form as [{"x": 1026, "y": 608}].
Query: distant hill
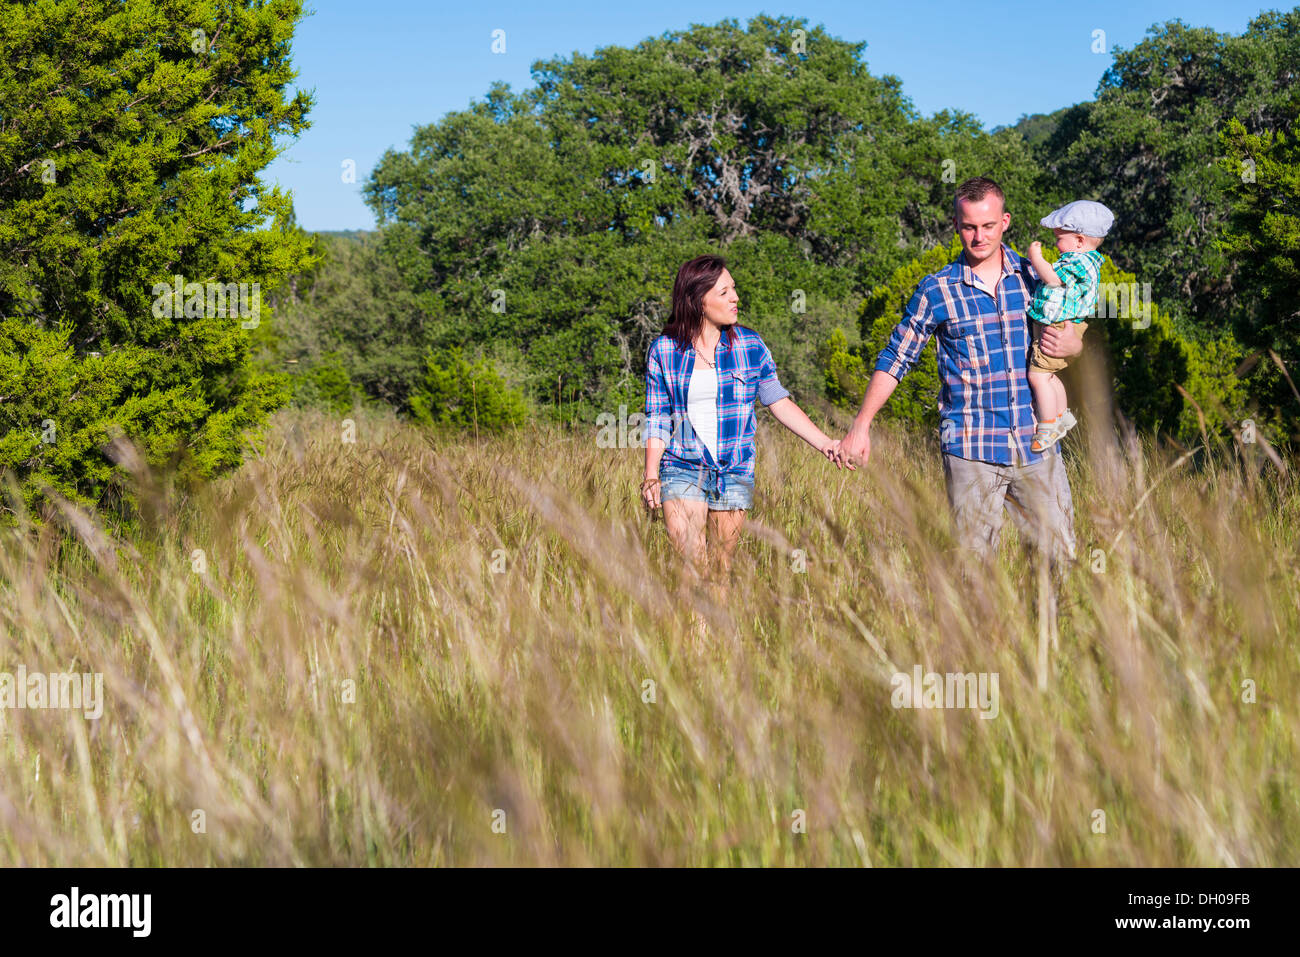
[
  {"x": 1036, "y": 128},
  {"x": 343, "y": 233}
]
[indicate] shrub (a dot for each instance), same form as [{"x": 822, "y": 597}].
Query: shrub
[
  {"x": 465, "y": 395},
  {"x": 325, "y": 385}
]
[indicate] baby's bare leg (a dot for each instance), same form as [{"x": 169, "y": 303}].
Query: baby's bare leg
[
  {"x": 1049, "y": 395},
  {"x": 1062, "y": 400}
]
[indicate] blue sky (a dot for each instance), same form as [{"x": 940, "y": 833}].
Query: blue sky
[{"x": 379, "y": 68}]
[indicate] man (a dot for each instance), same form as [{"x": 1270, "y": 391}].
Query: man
[{"x": 976, "y": 306}]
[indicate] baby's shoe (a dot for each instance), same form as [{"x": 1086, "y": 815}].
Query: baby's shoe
[
  {"x": 1049, "y": 433},
  {"x": 1065, "y": 422},
  {"x": 1044, "y": 435}
]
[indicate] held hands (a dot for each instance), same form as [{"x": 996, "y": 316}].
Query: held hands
[
  {"x": 831, "y": 449},
  {"x": 855, "y": 447}
]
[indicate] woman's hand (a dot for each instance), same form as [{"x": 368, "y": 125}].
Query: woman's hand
[
  {"x": 831, "y": 449},
  {"x": 650, "y": 494}
]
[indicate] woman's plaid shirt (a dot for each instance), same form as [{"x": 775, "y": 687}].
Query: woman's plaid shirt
[
  {"x": 745, "y": 372},
  {"x": 985, "y": 406}
]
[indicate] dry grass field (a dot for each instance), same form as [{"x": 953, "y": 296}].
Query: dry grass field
[{"x": 409, "y": 650}]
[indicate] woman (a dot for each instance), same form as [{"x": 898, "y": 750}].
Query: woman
[{"x": 702, "y": 377}]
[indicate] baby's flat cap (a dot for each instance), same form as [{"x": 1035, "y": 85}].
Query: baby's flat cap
[{"x": 1082, "y": 216}]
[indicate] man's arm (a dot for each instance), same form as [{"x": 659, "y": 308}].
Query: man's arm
[
  {"x": 896, "y": 359},
  {"x": 857, "y": 442}
]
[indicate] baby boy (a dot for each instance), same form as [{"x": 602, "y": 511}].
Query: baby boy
[{"x": 1067, "y": 292}]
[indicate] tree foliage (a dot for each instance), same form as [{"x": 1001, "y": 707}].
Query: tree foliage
[
  {"x": 1264, "y": 236},
  {"x": 541, "y": 230},
  {"x": 133, "y": 134},
  {"x": 1148, "y": 146},
  {"x": 465, "y": 395},
  {"x": 544, "y": 229}
]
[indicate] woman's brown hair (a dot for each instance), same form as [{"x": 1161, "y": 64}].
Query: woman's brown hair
[{"x": 694, "y": 281}]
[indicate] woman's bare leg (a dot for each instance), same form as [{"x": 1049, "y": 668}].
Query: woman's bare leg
[
  {"x": 685, "y": 521},
  {"x": 724, "y": 534}
]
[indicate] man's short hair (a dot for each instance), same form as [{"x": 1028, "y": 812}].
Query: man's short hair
[{"x": 975, "y": 189}]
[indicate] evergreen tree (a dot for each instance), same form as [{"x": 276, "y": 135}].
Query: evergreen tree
[{"x": 133, "y": 135}]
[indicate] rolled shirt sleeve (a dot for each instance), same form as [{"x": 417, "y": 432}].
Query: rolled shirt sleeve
[
  {"x": 658, "y": 403},
  {"x": 909, "y": 337},
  {"x": 770, "y": 389}
]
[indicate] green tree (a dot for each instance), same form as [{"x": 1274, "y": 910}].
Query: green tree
[
  {"x": 1148, "y": 145},
  {"x": 1038, "y": 128},
  {"x": 544, "y": 229},
  {"x": 133, "y": 135},
  {"x": 1152, "y": 356},
  {"x": 351, "y": 312},
  {"x": 326, "y": 385},
  {"x": 1264, "y": 236}
]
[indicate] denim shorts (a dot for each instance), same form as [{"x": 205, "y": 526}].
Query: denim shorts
[{"x": 695, "y": 485}]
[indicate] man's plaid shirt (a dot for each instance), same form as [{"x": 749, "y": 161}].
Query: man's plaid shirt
[
  {"x": 985, "y": 406},
  {"x": 746, "y": 372}
]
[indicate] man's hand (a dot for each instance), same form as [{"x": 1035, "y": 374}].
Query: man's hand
[
  {"x": 1061, "y": 341},
  {"x": 855, "y": 447}
]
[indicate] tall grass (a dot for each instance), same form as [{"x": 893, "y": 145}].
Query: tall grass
[{"x": 515, "y": 630}]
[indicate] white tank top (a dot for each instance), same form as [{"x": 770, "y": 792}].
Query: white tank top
[{"x": 702, "y": 405}]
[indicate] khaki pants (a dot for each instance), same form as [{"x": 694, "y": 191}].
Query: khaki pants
[
  {"x": 1037, "y": 496},
  {"x": 1039, "y": 361}
]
